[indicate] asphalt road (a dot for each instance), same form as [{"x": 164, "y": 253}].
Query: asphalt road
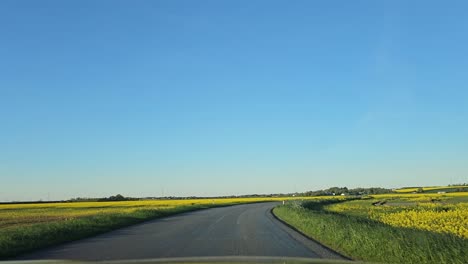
[{"x": 241, "y": 230}]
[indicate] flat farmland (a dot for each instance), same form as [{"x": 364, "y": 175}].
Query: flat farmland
[
  {"x": 394, "y": 228},
  {"x": 434, "y": 189},
  {"x": 25, "y": 227}
]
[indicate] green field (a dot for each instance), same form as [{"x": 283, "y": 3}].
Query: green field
[
  {"x": 406, "y": 228},
  {"x": 434, "y": 189}
]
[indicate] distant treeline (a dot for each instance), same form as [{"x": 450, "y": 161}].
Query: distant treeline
[
  {"x": 112, "y": 198},
  {"x": 120, "y": 197},
  {"x": 329, "y": 191},
  {"x": 346, "y": 191},
  {"x": 460, "y": 184}
]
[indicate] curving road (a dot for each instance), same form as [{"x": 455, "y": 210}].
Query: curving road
[{"x": 241, "y": 230}]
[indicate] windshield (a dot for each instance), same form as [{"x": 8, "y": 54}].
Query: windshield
[{"x": 243, "y": 131}]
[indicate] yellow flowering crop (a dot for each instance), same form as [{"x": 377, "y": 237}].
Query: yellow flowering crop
[
  {"x": 451, "y": 219},
  {"x": 435, "y": 213}
]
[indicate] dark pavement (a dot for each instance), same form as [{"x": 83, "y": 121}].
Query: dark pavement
[{"x": 241, "y": 230}]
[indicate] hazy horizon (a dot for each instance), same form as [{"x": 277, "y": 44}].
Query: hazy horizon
[
  {"x": 209, "y": 98},
  {"x": 162, "y": 195}
]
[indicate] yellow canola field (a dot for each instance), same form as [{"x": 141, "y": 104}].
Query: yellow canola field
[
  {"x": 430, "y": 212},
  {"x": 418, "y": 195},
  {"x": 441, "y": 188},
  {"x": 452, "y": 219}
]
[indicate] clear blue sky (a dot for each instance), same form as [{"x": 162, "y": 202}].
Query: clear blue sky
[{"x": 145, "y": 98}]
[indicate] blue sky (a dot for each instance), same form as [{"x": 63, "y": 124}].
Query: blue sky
[{"x": 230, "y": 97}]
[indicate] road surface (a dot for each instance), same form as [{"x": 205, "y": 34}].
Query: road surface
[{"x": 241, "y": 230}]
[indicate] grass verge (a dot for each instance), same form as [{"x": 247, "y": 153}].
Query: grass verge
[{"x": 364, "y": 239}]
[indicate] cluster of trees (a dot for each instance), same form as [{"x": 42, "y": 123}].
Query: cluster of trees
[
  {"x": 117, "y": 197},
  {"x": 419, "y": 190},
  {"x": 346, "y": 191}
]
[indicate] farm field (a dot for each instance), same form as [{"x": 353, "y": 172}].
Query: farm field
[
  {"x": 395, "y": 228},
  {"x": 24, "y": 227},
  {"x": 434, "y": 189}
]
